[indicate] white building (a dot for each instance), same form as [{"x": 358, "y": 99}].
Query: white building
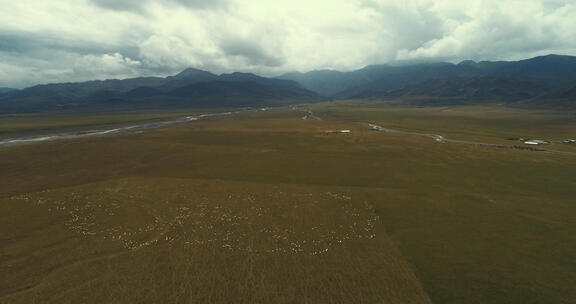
[{"x": 536, "y": 142}]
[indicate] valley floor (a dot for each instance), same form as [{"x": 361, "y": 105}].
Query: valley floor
[{"x": 266, "y": 207}]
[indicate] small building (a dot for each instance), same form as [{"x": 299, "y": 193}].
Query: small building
[
  {"x": 536, "y": 142},
  {"x": 374, "y": 127},
  {"x": 339, "y": 131}
]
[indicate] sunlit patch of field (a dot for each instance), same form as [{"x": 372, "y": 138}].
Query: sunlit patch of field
[{"x": 278, "y": 243}]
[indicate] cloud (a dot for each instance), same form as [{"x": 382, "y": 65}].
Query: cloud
[
  {"x": 31, "y": 44},
  {"x": 112, "y": 65},
  {"x": 124, "y": 5},
  {"x": 170, "y": 52},
  {"x": 63, "y": 66},
  {"x": 406, "y": 25},
  {"x": 249, "y": 51},
  {"x": 203, "y": 4},
  {"x": 488, "y": 30},
  {"x": 140, "y": 6},
  {"x": 75, "y": 40}
]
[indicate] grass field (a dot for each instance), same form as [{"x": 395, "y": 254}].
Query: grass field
[
  {"x": 33, "y": 124},
  {"x": 268, "y": 208}
]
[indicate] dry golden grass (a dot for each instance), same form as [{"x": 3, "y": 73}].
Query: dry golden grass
[
  {"x": 179, "y": 240},
  {"x": 267, "y": 208}
]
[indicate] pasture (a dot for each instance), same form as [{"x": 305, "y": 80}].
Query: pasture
[{"x": 265, "y": 207}]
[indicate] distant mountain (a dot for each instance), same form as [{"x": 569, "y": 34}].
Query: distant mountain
[
  {"x": 324, "y": 82},
  {"x": 67, "y": 95},
  {"x": 343, "y": 85},
  {"x": 187, "y": 77},
  {"x": 546, "y": 80},
  {"x": 469, "y": 89},
  {"x": 205, "y": 89},
  {"x": 190, "y": 88},
  {"x": 563, "y": 96},
  {"x": 551, "y": 70},
  {"x": 6, "y": 90}
]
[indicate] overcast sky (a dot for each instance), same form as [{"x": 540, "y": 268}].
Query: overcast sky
[{"x": 43, "y": 41}]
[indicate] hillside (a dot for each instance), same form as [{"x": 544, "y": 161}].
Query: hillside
[
  {"x": 190, "y": 88},
  {"x": 466, "y": 90},
  {"x": 6, "y": 90},
  {"x": 512, "y": 80},
  {"x": 563, "y": 96},
  {"x": 544, "y": 81}
]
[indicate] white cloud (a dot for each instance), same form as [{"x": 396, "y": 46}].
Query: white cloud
[
  {"x": 500, "y": 30},
  {"x": 106, "y": 66},
  {"x": 71, "y": 40}
]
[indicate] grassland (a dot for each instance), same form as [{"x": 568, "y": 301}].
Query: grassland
[
  {"x": 33, "y": 124},
  {"x": 268, "y": 208}
]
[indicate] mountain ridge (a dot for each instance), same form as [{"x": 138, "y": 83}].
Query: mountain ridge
[
  {"x": 203, "y": 88},
  {"x": 6, "y": 90},
  {"x": 545, "y": 80},
  {"x": 545, "y": 73}
]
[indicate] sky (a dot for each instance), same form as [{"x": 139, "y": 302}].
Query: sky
[{"x": 47, "y": 41}]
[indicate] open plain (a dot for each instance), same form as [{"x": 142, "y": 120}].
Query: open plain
[{"x": 267, "y": 207}]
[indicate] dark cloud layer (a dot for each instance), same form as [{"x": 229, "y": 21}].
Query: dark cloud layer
[
  {"x": 30, "y": 44},
  {"x": 253, "y": 53}
]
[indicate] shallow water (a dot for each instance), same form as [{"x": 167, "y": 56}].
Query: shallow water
[{"x": 133, "y": 128}]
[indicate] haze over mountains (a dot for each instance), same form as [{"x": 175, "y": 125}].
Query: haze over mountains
[
  {"x": 547, "y": 80},
  {"x": 507, "y": 81}
]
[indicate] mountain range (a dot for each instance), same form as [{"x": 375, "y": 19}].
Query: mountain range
[
  {"x": 6, "y": 90},
  {"x": 551, "y": 78},
  {"x": 190, "y": 88},
  {"x": 544, "y": 81}
]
